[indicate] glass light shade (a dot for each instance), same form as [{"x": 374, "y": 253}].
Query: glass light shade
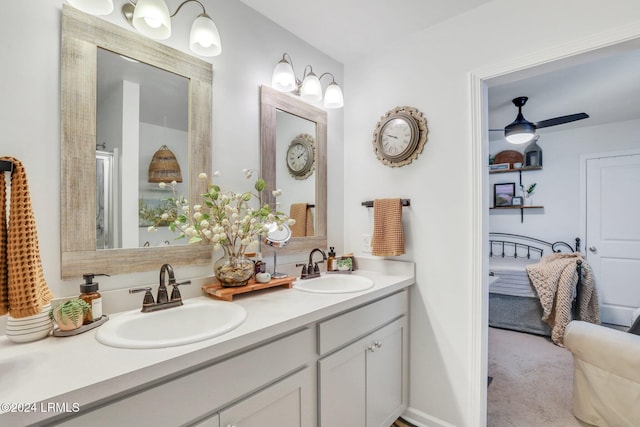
[
  {"x": 94, "y": 7},
  {"x": 311, "y": 89},
  {"x": 151, "y": 18},
  {"x": 205, "y": 38},
  {"x": 520, "y": 130},
  {"x": 283, "y": 78},
  {"x": 519, "y": 138},
  {"x": 519, "y": 133},
  {"x": 333, "y": 96}
]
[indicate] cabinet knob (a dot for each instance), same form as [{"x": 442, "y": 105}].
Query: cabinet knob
[
  {"x": 378, "y": 344},
  {"x": 371, "y": 348},
  {"x": 593, "y": 249}
]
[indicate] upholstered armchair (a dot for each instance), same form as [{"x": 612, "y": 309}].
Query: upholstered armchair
[{"x": 606, "y": 383}]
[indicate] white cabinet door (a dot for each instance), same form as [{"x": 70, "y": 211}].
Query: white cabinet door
[
  {"x": 365, "y": 383},
  {"x": 288, "y": 403},
  {"x": 386, "y": 375},
  {"x": 342, "y": 387}
]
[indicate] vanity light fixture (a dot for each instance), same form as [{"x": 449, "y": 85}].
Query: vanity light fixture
[
  {"x": 93, "y": 7},
  {"x": 310, "y": 89},
  {"x": 152, "y": 19}
]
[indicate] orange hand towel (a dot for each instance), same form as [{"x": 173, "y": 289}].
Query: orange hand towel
[
  {"x": 23, "y": 289},
  {"x": 301, "y": 212},
  {"x": 388, "y": 235}
]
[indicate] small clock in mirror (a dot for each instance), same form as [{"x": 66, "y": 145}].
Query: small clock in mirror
[
  {"x": 301, "y": 156},
  {"x": 399, "y": 136}
]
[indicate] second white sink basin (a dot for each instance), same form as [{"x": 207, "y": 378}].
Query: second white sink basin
[
  {"x": 334, "y": 284},
  {"x": 196, "y": 320}
]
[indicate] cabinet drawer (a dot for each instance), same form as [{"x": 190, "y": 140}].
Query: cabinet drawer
[
  {"x": 349, "y": 326},
  {"x": 196, "y": 394}
]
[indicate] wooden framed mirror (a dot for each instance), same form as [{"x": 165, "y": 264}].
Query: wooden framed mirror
[
  {"x": 82, "y": 36},
  {"x": 274, "y": 162}
]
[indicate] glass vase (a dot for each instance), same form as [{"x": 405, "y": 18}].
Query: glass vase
[{"x": 231, "y": 270}]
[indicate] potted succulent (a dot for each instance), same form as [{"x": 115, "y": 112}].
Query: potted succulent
[
  {"x": 528, "y": 193},
  {"x": 70, "y": 314}
]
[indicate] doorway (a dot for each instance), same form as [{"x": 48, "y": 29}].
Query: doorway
[{"x": 480, "y": 83}]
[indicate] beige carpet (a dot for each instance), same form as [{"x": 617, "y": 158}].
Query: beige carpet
[{"x": 532, "y": 382}]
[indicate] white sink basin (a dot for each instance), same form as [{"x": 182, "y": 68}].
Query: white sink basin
[
  {"x": 334, "y": 284},
  {"x": 196, "y": 320}
]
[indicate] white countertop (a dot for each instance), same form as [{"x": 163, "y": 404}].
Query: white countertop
[{"x": 79, "y": 370}]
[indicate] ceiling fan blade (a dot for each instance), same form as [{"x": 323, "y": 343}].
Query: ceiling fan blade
[{"x": 561, "y": 120}]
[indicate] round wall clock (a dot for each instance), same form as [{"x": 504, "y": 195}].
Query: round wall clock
[
  {"x": 400, "y": 136},
  {"x": 301, "y": 156}
]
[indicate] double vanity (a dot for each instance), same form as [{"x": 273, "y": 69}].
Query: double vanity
[
  {"x": 330, "y": 351},
  {"x": 277, "y": 357}
]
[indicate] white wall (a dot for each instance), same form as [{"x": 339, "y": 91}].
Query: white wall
[
  {"x": 558, "y": 183},
  {"x": 431, "y": 70},
  {"x": 30, "y": 109}
]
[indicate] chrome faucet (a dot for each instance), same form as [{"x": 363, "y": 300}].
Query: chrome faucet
[
  {"x": 311, "y": 269},
  {"x": 162, "y": 300}
]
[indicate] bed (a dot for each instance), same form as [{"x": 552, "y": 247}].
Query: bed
[{"x": 513, "y": 301}]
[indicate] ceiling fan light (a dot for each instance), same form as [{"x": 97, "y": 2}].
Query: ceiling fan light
[
  {"x": 204, "y": 39},
  {"x": 151, "y": 18},
  {"x": 519, "y": 132},
  {"x": 519, "y": 138},
  {"x": 283, "y": 78},
  {"x": 93, "y": 7}
]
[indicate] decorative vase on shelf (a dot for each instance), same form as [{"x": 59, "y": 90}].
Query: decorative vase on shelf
[
  {"x": 232, "y": 271},
  {"x": 528, "y": 201}
]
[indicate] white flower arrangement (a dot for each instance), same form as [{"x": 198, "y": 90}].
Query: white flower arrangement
[{"x": 225, "y": 219}]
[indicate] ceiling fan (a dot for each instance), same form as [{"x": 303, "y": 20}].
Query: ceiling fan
[{"x": 521, "y": 130}]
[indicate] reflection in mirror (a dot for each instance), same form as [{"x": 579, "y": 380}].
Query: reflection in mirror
[
  {"x": 83, "y": 36},
  {"x": 140, "y": 108},
  {"x": 274, "y": 108},
  {"x": 295, "y": 170}
]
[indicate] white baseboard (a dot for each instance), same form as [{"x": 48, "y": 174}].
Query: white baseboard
[{"x": 421, "y": 419}]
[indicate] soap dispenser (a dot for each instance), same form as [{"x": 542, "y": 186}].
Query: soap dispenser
[
  {"x": 331, "y": 260},
  {"x": 89, "y": 294}
]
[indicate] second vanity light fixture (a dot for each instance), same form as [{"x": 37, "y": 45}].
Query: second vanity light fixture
[
  {"x": 152, "y": 19},
  {"x": 310, "y": 89}
]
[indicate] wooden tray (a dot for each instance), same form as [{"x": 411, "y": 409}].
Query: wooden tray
[{"x": 217, "y": 291}]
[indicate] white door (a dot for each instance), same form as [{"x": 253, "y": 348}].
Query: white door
[{"x": 613, "y": 234}]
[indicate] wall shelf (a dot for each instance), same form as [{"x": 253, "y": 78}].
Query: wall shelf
[
  {"x": 519, "y": 170},
  {"x": 522, "y": 208},
  {"x": 524, "y": 169}
]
